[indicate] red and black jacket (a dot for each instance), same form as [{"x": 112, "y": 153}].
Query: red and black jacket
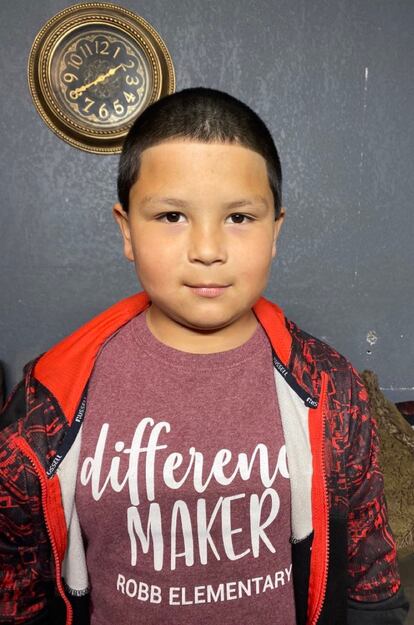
[{"x": 344, "y": 571}]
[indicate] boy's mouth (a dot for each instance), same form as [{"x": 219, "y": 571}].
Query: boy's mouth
[
  {"x": 208, "y": 286},
  {"x": 208, "y": 290}
]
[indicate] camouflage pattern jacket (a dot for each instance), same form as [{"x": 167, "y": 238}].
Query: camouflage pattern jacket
[{"x": 343, "y": 551}]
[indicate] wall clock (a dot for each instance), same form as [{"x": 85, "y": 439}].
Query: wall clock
[{"x": 93, "y": 68}]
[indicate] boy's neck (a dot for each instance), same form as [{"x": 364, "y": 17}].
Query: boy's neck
[{"x": 186, "y": 339}]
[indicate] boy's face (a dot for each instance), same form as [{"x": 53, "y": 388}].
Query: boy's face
[{"x": 185, "y": 228}]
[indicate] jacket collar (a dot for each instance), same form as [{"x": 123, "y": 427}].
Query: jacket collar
[{"x": 66, "y": 367}]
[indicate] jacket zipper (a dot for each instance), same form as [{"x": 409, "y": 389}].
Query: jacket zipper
[
  {"x": 25, "y": 448},
  {"x": 326, "y": 502}
]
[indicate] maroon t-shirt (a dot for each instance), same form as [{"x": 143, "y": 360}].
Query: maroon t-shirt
[{"x": 183, "y": 490}]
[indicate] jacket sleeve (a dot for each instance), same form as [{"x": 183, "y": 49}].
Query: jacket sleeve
[
  {"x": 374, "y": 588},
  {"x": 25, "y": 575}
]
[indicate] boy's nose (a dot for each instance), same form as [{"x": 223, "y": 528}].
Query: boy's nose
[{"x": 207, "y": 245}]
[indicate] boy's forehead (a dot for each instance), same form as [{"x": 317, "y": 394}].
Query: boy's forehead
[{"x": 197, "y": 171}]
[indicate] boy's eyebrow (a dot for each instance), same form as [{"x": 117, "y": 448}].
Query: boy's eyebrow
[{"x": 148, "y": 199}]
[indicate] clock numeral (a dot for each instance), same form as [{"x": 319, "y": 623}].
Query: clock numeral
[
  {"x": 68, "y": 77},
  {"x": 104, "y": 48},
  {"x": 103, "y": 111},
  {"x": 131, "y": 81},
  {"x": 85, "y": 49},
  {"x": 129, "y": 66},
  {"x": 129, "y": 97},
  {"x": 75, "y": 60},
  {"x": 115, "y": 54},
  {"x": 89, "y": 104},
  {"x": 119, "y": 108}
]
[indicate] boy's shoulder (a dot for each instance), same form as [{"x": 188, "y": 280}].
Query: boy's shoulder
[
  {"x": 310, "y": 357},
  {"x": 315, "y": 351}
]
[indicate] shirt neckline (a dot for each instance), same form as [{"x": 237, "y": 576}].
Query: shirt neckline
[{"x": 173, "y": 357}]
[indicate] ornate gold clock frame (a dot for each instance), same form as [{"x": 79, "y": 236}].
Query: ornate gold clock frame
[{"x": 93, "y": 68}]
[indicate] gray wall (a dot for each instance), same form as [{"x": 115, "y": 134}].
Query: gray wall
[{"x": 334, "y": 81}]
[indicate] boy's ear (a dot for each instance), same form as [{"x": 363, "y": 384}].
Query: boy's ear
[
  {"x": 121, "y": 217},
  {"x": 277, "y": 226}
]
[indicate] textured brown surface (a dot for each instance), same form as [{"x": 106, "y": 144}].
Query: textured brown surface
[{"x": 397, "y": 462}]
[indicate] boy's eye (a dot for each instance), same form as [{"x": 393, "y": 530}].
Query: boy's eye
[
  {"x": 171, "y": 213},
  {"x": 242, "y": 216},
  {"x": 175, "y": 216}
]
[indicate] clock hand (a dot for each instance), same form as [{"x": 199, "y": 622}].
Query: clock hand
[{"x": 78, "y": 92}]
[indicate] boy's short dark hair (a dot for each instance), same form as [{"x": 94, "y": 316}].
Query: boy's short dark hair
[{"x": 199, "y": 114}]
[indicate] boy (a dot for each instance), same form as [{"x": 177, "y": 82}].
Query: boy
[{"x": 190, "y": 455}]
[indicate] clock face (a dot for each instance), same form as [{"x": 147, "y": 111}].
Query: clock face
[
  {"x": 100, "y": 77},
  {"x": 93, "y": 68}
]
